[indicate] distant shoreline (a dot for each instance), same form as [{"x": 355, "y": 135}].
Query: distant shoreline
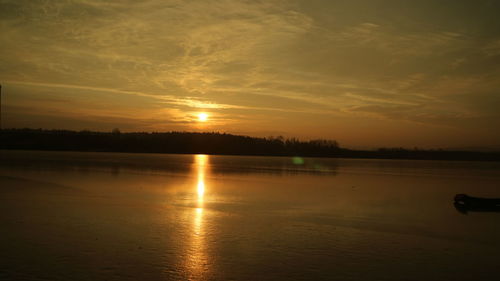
[{"x": 213, "y": 143}]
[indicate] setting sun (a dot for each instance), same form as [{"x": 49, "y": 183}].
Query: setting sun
[{"x": 202, "y": 117}]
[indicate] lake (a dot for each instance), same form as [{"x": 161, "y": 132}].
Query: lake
[{"x": 119, "y": 216}]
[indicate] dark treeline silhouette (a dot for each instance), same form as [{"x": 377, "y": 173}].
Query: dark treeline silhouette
[
  {"x": 167, "y": 142},
  {"x": 211, "y": 143}
]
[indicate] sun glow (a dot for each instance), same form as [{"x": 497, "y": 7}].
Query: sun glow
[{"x": 202, "y": 117}]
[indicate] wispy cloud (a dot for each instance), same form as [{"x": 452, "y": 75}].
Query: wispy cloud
[{"x": 279, "y": 62}]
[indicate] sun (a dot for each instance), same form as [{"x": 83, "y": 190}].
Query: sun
[{"x": 202, "y": 117}]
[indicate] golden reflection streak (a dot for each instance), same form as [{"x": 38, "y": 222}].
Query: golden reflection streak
[
  {"x": 201, "y": 166},
  {"x": 197, "y": 262}
]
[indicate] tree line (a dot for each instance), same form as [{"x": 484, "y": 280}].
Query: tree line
[{"x": 210, "y": 143}]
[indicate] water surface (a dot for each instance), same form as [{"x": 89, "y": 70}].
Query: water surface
[{"x": 111, "y": 216}]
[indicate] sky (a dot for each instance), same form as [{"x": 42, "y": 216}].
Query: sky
[{"x": 365, "y": 73}]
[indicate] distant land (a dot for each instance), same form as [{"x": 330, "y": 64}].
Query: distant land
[{"x": 213, "y": 143}]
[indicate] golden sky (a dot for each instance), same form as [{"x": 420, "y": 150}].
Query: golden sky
[{"x": 366, "y": 73}]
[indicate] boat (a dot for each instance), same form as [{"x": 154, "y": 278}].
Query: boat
[{"x": 465, "y": 203}]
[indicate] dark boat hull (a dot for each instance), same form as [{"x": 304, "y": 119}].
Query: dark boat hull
[{"x": 465, "y": 203}]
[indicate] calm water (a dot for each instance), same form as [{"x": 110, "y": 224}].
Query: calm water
[{"x": 107, "y": 216}]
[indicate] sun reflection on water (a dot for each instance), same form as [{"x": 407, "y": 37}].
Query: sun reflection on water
[
  {"x": 201, "y": 169},
  {"x": 197, "y": 260}
]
